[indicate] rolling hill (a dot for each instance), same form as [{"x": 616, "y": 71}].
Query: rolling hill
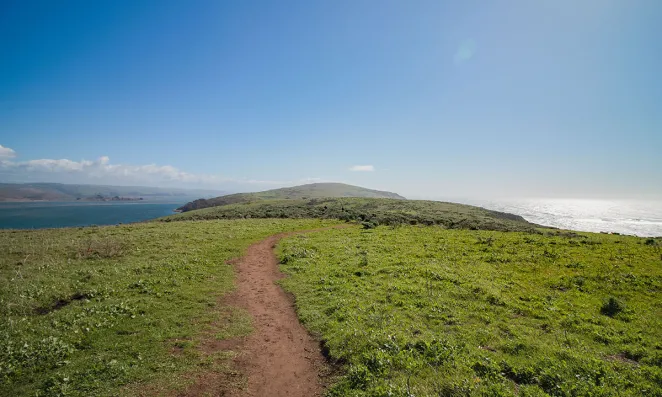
[
  {"x": 309, "y": 191},
  {"x": 369, "y": 211}
]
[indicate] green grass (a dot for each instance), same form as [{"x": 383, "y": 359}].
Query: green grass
[
  {"x": 85, "y": 311},
  {"x": 423, "y": 311},
  {"x": 402, "y": 310},
  {"x": 370, "y": 211},
  {"x": 303, "y": 192}
]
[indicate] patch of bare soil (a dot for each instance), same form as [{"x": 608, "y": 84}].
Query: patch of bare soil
[{"x": 621, "y": 358}]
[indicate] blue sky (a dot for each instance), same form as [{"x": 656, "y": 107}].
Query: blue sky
[{"x": 428, "y": 98}]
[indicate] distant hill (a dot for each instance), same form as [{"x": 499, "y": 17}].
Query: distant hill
[
  {"x": 67, "y": 192},
  {"x": 309, "y": 191},
  {"x": 370, "y": 211}
]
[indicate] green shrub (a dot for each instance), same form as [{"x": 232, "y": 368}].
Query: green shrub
[
  {"x": 612, "y": 307},
  {"x": 368, "y": 225}
]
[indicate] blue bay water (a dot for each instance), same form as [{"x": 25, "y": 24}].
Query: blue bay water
[{"x": 38, "y": 215}]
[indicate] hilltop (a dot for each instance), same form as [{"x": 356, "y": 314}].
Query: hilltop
[
  {"x": 16, "y": 192},
  {"x": 370, "y": 211},
  {"x": 349, "y": 203},
  {"x": 309, "y": 191}
]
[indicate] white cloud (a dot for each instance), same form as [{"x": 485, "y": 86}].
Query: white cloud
[
  {"x": 465, "y": 51},
  {"x": 102, "y": 171},
  {"x": 6, "y": 153},
  {"x": 363, "y": 168}
]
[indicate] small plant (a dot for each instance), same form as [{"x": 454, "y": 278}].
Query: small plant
[
  {"x": 368, "y": 225},
  {"x": 612, "y": 307},
  {"x": 364, "y": 259},
  {"x": 103, "y": 248},
  {"x": 486, "y": 240},
  {"x": 575, "y": 265}
]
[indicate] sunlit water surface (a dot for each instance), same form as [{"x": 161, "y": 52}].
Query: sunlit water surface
[{"x": 634, "y": 217}]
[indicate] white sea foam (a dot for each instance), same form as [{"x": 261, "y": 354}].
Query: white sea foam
[{"x": 635, "y": 217}]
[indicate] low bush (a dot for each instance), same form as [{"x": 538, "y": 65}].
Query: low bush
[
  {"x": 611, "y": 307},
  {"x": 99, "y": 248}
]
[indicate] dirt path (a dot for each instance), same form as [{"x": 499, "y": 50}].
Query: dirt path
[{"x": 279, "y": 358}]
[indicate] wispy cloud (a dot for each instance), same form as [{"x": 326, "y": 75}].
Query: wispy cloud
[
  {"x": 103, "y": 171},
  {"x": 103, "y": 168},
  {"x": 6, "y": 153},
  {"x": 465, "y": 51},
  {"x": 362, "y": 168}
]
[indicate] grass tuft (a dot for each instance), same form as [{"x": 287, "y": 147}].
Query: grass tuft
[{"x": 103, "y": 248}]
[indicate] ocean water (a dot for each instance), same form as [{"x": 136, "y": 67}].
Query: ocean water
[
  {"x": 38, "y": 215},
  {"x": 633, "y": 217}
]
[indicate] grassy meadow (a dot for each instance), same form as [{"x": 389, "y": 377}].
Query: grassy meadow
[
  {"x": 119, "y": 310},
  {"x": 418, "y": 299},
  {"x": 423, "y": 311}
]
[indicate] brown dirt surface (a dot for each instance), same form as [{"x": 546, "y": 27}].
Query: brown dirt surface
[{"x": 280, "y": 358}]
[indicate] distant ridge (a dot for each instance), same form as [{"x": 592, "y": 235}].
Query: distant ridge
[
  {"x": 309, "y": 191},
  {"x": 25, "y": 192}
]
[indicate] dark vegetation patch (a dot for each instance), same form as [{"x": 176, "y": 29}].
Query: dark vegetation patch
[
  {"x": 62, "y": 302},
  {"x": 370, "y": 212},
  {"x": 565, "y": 233},
  {"x": 612, "y": 307}
]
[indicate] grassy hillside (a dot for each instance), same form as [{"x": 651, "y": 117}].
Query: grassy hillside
[
  {"x": 66, "y": 192},
  {"x": 313, "y": 190},
  {"x": 419, "y": 311},
  {"x": 85, "y": 311},
  {"x": 370, "y": 211},
  {"x": 401, "y": 310},
  {"x": 31, "y": 192}
]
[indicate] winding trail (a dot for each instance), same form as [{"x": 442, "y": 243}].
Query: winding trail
[{"x": 279, "y": 358}]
